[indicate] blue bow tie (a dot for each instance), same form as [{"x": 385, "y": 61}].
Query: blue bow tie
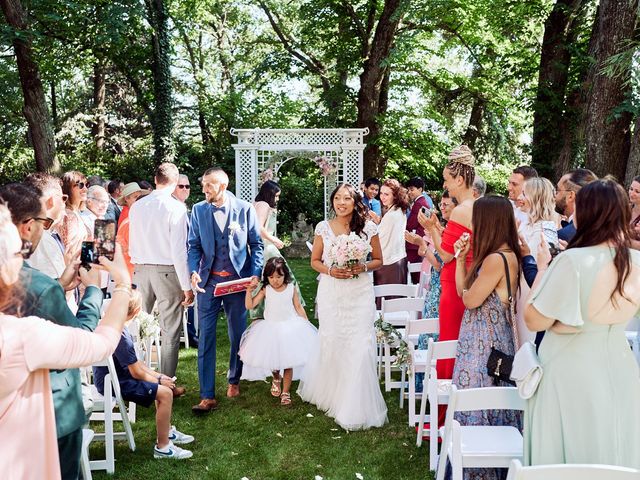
[{"x": 222, "y": 209}]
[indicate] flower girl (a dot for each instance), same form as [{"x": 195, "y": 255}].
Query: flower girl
[{"x": 283, "y": 340}]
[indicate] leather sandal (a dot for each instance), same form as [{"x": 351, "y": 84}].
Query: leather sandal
[
  {"x": 275, "y": 386},
  {"x": 285, "y": 398}
]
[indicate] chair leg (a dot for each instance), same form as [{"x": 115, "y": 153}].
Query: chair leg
[
  {"x": 108, "y": 426},
  {"x": 402, "y": 386},
  {"x": 85, "y": 466},
  {"x": 185, "y": 319},
  {"x": 387, "y": 367}
]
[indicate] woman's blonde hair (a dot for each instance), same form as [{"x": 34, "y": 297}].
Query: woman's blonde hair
[
  {"x": 135, "y": 303},
  {"x": 540, "y": 194}
]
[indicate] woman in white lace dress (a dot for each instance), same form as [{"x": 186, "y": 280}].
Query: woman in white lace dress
[{"x": 340, "y": 377}]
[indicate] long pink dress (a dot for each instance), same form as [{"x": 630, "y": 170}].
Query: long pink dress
[{"x": 28, "y": 348}]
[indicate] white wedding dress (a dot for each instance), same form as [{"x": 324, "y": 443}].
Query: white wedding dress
[{"x": 340, "y": 376}]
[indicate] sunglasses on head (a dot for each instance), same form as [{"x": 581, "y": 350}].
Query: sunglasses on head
[
  {"x": 81, "y": 185},
  {"x": 184, "y": 186},
  {"x": 25, "y": 250}
]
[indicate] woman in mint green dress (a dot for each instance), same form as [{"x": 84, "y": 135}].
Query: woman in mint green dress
[{"x": 587, "y": 406}]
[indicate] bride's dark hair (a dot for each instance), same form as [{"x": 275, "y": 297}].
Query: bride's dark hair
[{"x": 359, "y": 215}]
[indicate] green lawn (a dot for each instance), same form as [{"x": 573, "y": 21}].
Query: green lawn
[{"x": 254, "y": 437}]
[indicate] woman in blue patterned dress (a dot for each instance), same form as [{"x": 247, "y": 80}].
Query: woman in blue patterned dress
[
  {"x": 486, "y": 320},
  {"x": 432, "y": 296}
]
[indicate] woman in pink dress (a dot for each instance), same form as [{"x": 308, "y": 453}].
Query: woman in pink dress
[{"x": 29, "y": 347}]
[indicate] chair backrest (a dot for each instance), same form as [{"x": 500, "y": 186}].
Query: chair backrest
[
  {"x": 413, "y": 306},
  {"x": 422, "y": 325},
  {"x": 395, "y": 290},
  {"x": 445, "y": 349},
  {"x": 571, "y": 472},
  {"x": 309, "y": 245},
  {"x": 485, "y": 398},
  {"x": 413, "y": 267}
]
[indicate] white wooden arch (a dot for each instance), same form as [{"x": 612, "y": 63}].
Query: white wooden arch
[{"x": 343, "y": 147}]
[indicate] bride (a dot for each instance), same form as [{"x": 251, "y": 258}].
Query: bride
[{"x": 340, "y": 377}]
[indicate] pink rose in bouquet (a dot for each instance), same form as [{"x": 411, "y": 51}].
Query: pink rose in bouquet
[{"x": 348, "y": 250}]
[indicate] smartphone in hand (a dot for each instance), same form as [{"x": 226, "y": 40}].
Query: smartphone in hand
[{"x": 104, "y": 235}]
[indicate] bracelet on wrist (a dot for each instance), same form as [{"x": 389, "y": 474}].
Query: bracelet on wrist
[
  {"x": 329, "y": 270},
  {"x": 128, "y": 291},
  {"x": 366, "y": 267}
]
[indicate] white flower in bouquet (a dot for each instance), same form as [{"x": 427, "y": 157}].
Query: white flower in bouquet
[
  {"x": 349, "y": 250},
  {"x": 148, "y": 325}
]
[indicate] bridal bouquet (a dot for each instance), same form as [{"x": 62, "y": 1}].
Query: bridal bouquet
[{"x": 349, "y": 250}]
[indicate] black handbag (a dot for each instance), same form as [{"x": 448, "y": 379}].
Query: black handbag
[{"x": 499, "y": 364}]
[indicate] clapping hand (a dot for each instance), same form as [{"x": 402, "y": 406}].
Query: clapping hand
[{"x": 412, "y": 238}]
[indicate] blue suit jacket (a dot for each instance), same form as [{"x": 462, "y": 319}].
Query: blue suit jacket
[
  {"x": 245, "y": 244},
  {"x": 567, "y": 232}
]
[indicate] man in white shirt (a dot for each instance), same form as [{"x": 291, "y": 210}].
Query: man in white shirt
[
  {"x": 48, "y": 257},
  {"x": 515, "y": 188},
  {"x": 97, "y": 204},
  {"x": 158, "y": 249}
]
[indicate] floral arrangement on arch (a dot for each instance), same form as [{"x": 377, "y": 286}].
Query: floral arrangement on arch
[{"x": 327, "y": 165}]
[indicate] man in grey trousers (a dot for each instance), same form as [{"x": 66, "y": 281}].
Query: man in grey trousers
[{"x": 158, "y": 249}]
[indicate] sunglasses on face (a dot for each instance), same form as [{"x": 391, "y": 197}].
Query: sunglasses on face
[
  {"x": 25, "y": 251},
  {"x": 81, "y": 185},
  {"x": 187, "y": 187},
  {"x": 46, "y": 222}
]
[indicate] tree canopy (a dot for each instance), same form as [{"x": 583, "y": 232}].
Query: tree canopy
[{"x": 112, "y": 87}]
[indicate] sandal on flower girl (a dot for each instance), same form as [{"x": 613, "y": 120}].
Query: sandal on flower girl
[
  {"x": 285, "y": 398},
  {"x": 275, "y": 386}
]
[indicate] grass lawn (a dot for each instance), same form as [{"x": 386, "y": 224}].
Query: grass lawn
[{"x": 253, "y": 437}]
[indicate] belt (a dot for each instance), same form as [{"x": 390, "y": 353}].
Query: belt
[{"x": 221, "y": 274}]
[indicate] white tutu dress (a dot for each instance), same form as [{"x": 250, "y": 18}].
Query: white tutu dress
[{"x": 283, "y": 339}]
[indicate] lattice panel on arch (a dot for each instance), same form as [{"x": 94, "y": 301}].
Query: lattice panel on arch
[
  {"x": 352, "y": 167},
  {"x": 317, "y": 137},
  {"x": 246, "y": 187}
]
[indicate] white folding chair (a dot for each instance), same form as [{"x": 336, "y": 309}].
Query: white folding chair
[
  {"x": 631, "y": 331},
  {"x": 103, "y": 411},
  {"x": 436, "y": 392},
  {"x": 571, "y": 472},
  {"x": 309, "y": 245},
  {"x": 413, "y": 330},
  {"x": 85, "y": 465},
  {"x": 185, "y": 335},
  {"x": 397, "y": 312},
  {"x": 413, "y": 267},
  {"x": 392, "y": 290},
  {"x": 480, "y": 446}
]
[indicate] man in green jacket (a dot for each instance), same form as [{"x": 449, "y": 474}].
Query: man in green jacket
[{"x": 45, "y": 298}]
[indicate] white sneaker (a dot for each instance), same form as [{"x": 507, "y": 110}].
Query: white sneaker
[
  {"x": 171, "y": 451},
  {"x": 178, "y": 437}
]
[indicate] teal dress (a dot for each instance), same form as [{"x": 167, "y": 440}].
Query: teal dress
[{"x": 587, "y": 406}]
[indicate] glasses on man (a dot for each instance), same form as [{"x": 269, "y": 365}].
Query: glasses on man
[
  {"x": 98, "y": 200},
  {"x": 81, "y": 185},
  {"x": 46, "y": 222},
  {"x": 25, "y": 250},
  {"x": 186, "y": 187}
]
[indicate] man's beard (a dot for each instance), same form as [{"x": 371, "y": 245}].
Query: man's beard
[{"x": 561, "y": 206}]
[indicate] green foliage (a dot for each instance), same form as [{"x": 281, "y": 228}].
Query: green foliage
[{"x": 302, "y": 192}]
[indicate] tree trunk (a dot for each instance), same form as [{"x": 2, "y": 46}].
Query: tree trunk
[
  {"x": 549, "y": 107},
  {"x": 633, "y": 165},
  {"x": 35, "y": 106},
  {"x": 162, "y": 121},
  {"x": 99, "y": 96},
  {"x": 371, "y": 84},
  {"x": 54, "y": 106},
  {"x": 475, "y": 122},
  {"x": 607, "y": 132}
]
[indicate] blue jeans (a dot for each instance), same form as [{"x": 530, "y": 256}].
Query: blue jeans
[{"x": 209, "y": 308}]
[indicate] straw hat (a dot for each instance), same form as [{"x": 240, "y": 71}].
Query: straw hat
[{"x": 128, "y": 189}]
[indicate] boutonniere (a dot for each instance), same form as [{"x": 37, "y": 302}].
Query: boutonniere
[{"x": 234, "y": 227}]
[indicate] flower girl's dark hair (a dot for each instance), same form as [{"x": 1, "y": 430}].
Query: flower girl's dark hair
[
  {"x": 273, "y": 265},
  {"x": 359, "y": 216}
]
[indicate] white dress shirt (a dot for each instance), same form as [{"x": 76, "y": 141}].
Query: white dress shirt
[
  {"x": 391, "y": 234},
  {"x": 158, "y": 233},
  {"x": 48, "y": 256}
]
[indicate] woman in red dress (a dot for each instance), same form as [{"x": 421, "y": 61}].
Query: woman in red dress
[{"x": 458, "y": 175}]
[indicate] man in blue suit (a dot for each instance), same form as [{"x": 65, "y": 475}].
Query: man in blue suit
[
  {"x": 568, "y": 187},
  {"x": 224, "y": 245}
]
